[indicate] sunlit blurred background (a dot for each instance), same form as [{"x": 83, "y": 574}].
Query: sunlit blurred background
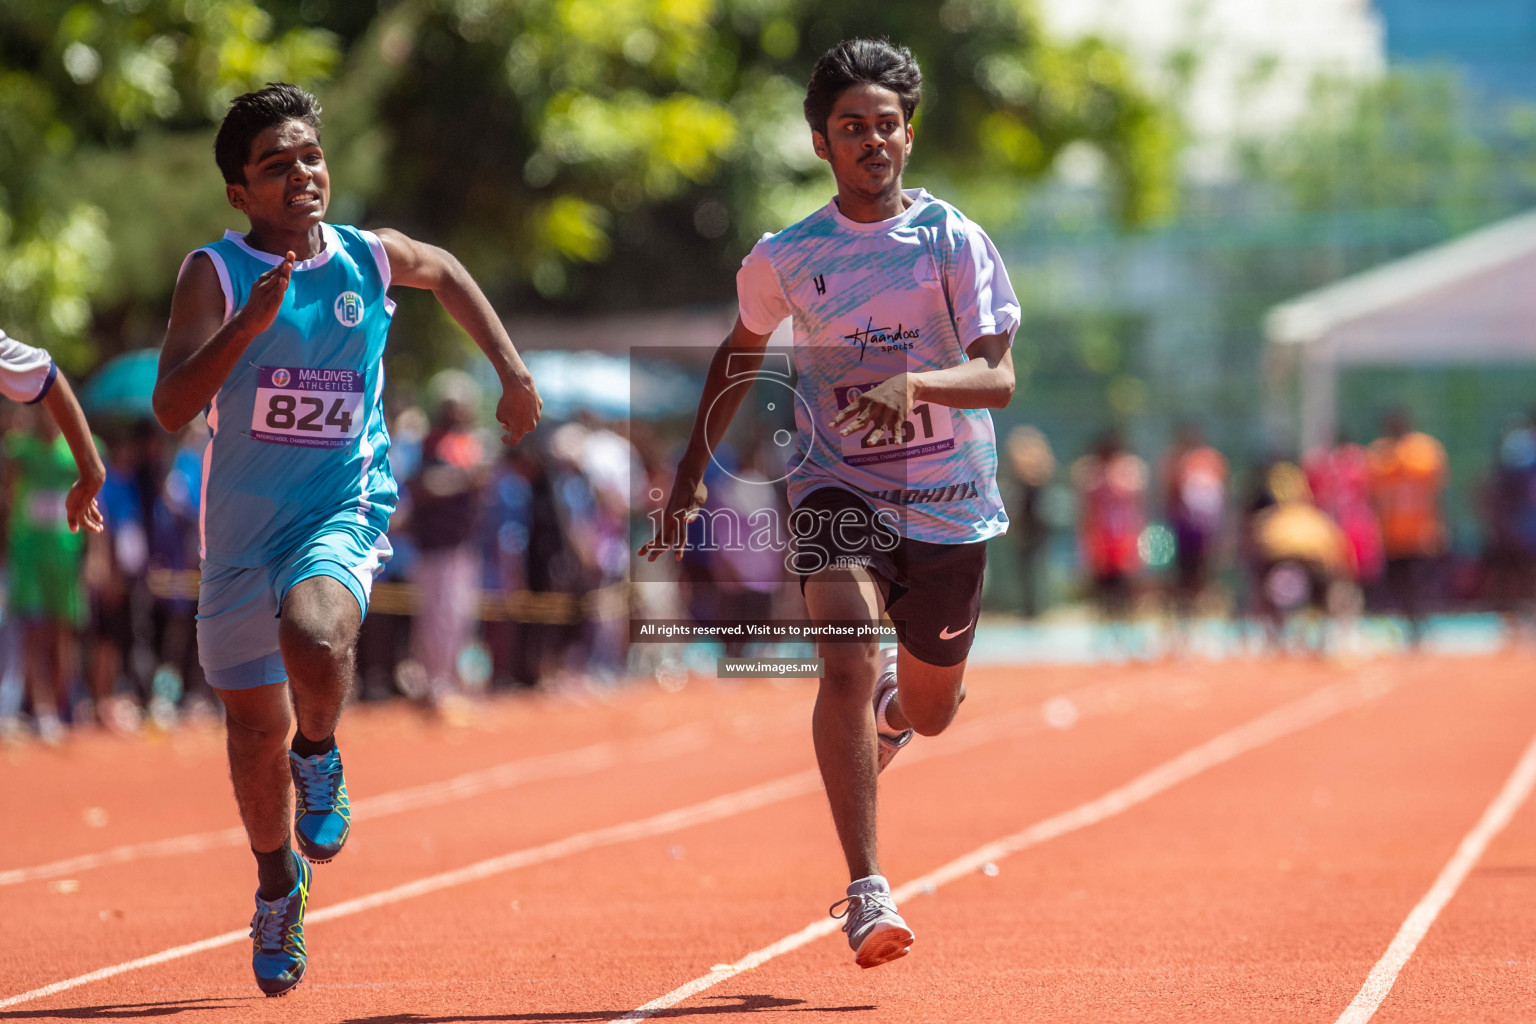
[{"x": 1202, "y": 204}]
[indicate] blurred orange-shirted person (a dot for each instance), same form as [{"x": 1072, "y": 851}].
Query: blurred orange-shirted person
[{"x": 1408, "y": 471}]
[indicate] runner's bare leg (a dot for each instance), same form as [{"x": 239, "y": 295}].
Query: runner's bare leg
[{"x": 843, "y": 724}]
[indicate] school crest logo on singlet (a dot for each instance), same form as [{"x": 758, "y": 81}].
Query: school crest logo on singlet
[{"x": 349, "y": 309}]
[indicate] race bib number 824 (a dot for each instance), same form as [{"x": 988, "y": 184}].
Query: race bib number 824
[{"x": 308, "y": 407}]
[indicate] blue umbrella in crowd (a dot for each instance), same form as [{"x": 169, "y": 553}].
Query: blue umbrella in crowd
[
  {"x": 124, "y": 386},
  {"x": 610, "y": 386}
]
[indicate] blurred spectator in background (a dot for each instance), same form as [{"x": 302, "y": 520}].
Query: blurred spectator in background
[
  {"x": 505, "y": 527},
  {"x": 174, "y": 476},
  {"x": 1408, "y": 471},
  {"x": 445, "y": 502},
  {"x": 384, "y": 642},
  {"x": 559, "y": 563},
  {"x": 1340, "y": 479},
  {"x": 612, "y": 468},
  {"x": 46, "y": 594},
  {"x": 12, "y": 680},
  {"x": 1111, "y": 486},
  {"x": 576, "y": 506},
  {"x": 408, "y": 432},
  {"x": 117, "y": 563},
  {"x": 735, "y": 581},
  {"x": 1509, "y": 515},
  {"x": 1033, "y": 465},
  {"x": 1299, "y": 556},
  {"x": 1194, "y": 483}
]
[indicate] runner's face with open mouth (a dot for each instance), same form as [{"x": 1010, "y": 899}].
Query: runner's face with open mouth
[
  {"x": 287, "y": 187},
  {"x": 867, "y": 141}
]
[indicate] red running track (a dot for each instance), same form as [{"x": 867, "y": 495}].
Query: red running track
[{"x": 582, "y": 859}]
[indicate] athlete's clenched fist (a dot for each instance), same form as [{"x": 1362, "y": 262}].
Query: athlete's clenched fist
[
  {"x": 519, "y": 409},
  {"x": 266, "y": 296}
]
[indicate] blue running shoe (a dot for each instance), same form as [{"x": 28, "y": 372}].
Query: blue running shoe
[
  {"x": 277, "y": 937},
  {"x": 322, "y": 815}
]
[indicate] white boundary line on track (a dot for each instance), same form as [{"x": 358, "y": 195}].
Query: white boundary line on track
[
  {"x": 1095, "y": 698},
  {"x": 1517, "y": 789},
  {"x": 508, "y": 775},
  {"x": 1283, "y": 721},
  {"x": 1008, "y": 725}
]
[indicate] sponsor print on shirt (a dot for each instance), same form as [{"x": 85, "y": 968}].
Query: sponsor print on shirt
[
  {"x": 928, "y": 430},
  {"x": 308, "y": 407},
  {"x": 964, "y": 491},
  {"x": 885, "y": 339}
]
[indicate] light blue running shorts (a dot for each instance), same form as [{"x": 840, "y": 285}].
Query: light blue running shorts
[{"x": 237, "y": 607}]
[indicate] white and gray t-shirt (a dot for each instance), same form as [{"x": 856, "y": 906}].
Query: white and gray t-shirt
[
  {"x": 870, "y": 301},
  {"x": 26, "y": 373}
]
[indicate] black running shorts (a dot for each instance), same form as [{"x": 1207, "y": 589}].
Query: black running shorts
[{"x": 934, "y": 592}]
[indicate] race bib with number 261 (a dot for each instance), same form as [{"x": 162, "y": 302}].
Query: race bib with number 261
[
  {"x": 307, "y": 407},
  {"x": 928, "y": 431}
]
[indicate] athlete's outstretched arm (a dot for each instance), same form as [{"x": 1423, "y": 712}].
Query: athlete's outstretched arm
[
  {"x": 415, "y": 264},
  {"x": 200, "y": 348},
  {"x": 741, "y": 353},
  {"x": 985, "y": 382},
  {"x": 80, "y": 504}
]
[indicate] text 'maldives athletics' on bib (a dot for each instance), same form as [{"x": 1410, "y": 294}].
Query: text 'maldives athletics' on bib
[
  {"x": 298, "y": 433},
  {"x": 869, "y": 301}
]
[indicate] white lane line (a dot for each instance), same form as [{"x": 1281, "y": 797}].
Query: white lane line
[
  {"x": 509, "y": 775},
  {"x": 1517, "y": 789},
  {"x": 1281, "y": 722},
  {"x": 660, "y": 824},
  {"x": 164, "y": 956},
  {"x": 1097, "y": 698},
  {"x": 984, "y": 731}
]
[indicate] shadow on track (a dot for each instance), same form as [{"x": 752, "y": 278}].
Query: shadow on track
[
  {"x": 128, "y": 1011},
  {"x": 736, "y": 1004}
]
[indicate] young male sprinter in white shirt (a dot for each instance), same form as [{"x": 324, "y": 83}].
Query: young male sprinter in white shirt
[{"x": 903, "y": 320}]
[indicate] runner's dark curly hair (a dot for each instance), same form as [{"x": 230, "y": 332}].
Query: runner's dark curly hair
[
  {"x": 253, "y": 113},
  {"x": 859, "y": 61}
]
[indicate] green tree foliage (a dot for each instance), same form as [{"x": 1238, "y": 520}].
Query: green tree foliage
[
  {"x": 633, "y": 147},
  {"x": 82, "y": 80},
  {"x": 576, "y": 154},
  {"x": 1413, "y": 142}
]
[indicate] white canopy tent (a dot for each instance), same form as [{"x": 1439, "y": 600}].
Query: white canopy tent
[{"x": 1471, "y": 300}]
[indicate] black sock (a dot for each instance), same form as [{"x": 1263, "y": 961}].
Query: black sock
[
  {"x": 276, "y": 873},
  {"x": 306, "y": 747}
]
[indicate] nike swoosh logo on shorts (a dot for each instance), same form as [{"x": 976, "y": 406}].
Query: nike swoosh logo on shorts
[{"x": 945, "y": 634}]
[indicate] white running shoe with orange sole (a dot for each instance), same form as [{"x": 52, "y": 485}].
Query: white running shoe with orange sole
[{"x": 876, "y": 933}]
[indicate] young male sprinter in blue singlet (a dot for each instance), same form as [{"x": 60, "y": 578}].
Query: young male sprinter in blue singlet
[
  {"x": 903, "y": 323},
  {"x": 279, "y": 334}
]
